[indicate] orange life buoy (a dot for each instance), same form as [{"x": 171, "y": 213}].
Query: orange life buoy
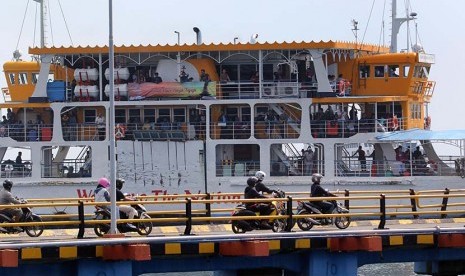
[{"x": 120, "y": 131}]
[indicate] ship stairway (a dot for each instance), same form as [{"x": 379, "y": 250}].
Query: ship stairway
[
  {"x": 342, "y": 169},
  {"x": 285, "y": 109},
  {"x": 278, "y": 151},
  {"x": 432, "y": 155}
]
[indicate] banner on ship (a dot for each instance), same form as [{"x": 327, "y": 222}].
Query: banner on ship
[{"x": 170, "y": 90}]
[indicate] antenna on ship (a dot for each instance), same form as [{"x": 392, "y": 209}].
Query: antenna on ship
[
  {"x": 355, "y": 30},
  {"x": 396, "y": 23}
]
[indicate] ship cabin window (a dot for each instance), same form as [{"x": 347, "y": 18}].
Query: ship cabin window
[
  {"x": 150, "y": 115},
  {"x": 394, "y": 71},
  {"x": 421, "y": 72},
  {"x": 379, "y": 71},
  {"x": 35, "y": 77},
  {"x": 232, "y": 114},
  {"x": 164, "y": 113},
  {"x": 12, "y": 78},
  {"x": 364, "y": 71},
  {"x": 415, "y": 111},
  {"x": 406, "y": 71},
  {"x": 89, "y": 115},
  {"x": 237, "y": 160},
  {"x": 245, "y": 114},
  {"x": 22, "y": 78},
  {"x": 120, "y": 116},
  {"x": 260, "y": 112},
  {"x": 179, "y": 115},
  {"x": 134, "y": 115}
]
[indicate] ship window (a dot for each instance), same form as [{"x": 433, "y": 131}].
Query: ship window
[
  {"x": 179, "y": 115},
  {"x": 35, "y": 77},
  {"x": 12, "y": 78},
  {"x": 150, "y": 115},
  {"x": 164, "y": 113},
  {"x": 120, "y": 116},
  {"x": 134, "y": 116},
  {"x": 231, "y": 113},
  {"x": 89, "y": 115},
  {"x": 421, "y": 72},
  {"x": 245, "y": 114},
  {"x": 406, "y": 70},
  {"x": 393, "y": 71},
  {"x": 379, "y": 71},
  {"x": 364, "y": 71},
  {"x": 415, "y": 111},
  {"x": 22, "y": 78}
]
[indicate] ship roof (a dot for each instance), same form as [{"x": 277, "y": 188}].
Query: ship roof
[
  {"x": 421, "y": 134},
  {"x": 341, "y": 45}
]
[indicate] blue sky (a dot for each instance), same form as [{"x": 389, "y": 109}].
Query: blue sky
[{"x": 440, "y": 29}]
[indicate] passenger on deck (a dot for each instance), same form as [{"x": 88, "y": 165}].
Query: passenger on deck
[
  {"x": 361, "y": 158},
  {"x": 100, "y": 122},
  {"x": 19, "y": 161},
  {"x": 11, "y": 116},
  {"x": 157, "y": 79},
  {"x": 224, "y": 77}
]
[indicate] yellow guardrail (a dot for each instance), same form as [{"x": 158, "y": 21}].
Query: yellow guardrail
[{"x": 362, "y": 204}]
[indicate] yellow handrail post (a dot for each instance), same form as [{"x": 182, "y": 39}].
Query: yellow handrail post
[
  {"x": 413, "y": 201},
  {"x": 81, "y": 220},
  {"x": 445, "y": 200},
  {"x": 187, "y": 230}
]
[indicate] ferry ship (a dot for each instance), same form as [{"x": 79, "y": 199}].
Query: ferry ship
[{"x": 205, "y": 117}]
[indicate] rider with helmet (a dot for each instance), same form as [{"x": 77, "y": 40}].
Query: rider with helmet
[
  {"x": 127, "y": 209},
  {"x": 260, "y": 186},
  {"x": 251, "y": 192},
  {"x": 7, "y": 198},
  {"x": 318, "y": 191},
  {"x": 101, "y": 193}
]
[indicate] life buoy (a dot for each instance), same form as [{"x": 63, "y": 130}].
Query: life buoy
[
  {"x": 427, "y": 122},
  {"x": 120, "y": 131}
]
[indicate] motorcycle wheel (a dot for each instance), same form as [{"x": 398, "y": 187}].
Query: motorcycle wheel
[
  {"x": 279, "y": 225},
  {"x": 341, "y": 222},
  {"x": 103, "y": 228},
  {"x": 144, "y": 228},
  {"x": 236, "y": 228},
  {"x": 304, "y": 223},
  {"x": 34, "y": 231}
]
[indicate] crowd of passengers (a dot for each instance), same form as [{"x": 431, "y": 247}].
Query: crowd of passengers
[
  {"x": 17, "y": 130},
  {"x": 345, "y": 123}
]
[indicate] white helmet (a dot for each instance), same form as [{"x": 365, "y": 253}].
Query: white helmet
[
  {"x": 260, "y": 175},
  {"x": 316, "y": 177}
]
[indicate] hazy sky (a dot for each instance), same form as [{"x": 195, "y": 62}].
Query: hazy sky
[{"x": 440, "y": 27}]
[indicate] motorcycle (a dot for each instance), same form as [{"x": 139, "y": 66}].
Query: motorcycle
[
  {"x": 277, "y": 225},
  {"x": 27, "y": 216},
  {"x": 143, "y": 228},
  {"x": 306, "y": 208}
]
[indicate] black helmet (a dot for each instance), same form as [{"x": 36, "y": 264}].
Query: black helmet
[
  {"x": 7, "y": 184},
  {"x": 119, "y": 183},
  {"x": 316, "y": 177},
  {"x": 252, "y": 181}
]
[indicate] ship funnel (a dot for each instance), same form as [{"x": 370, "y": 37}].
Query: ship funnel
[{"x": 199, "y": 35}]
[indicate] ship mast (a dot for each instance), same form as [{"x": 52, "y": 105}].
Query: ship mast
[
  {"x": 43, "y": 17},
  {"x": 396, "y": 23}
]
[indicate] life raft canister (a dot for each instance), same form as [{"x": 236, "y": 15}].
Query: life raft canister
[{"x": 120, "y": 131}]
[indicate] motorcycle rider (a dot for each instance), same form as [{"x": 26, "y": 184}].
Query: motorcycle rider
[
  {"x": 318, "y": 191},
  {"x": 103, "y": 195},
  {"x": 127, "y": 209},
  {"x": 260, "y": 186},
  {"x": 7, "y": 198},
  {"x": 263, "y": 208}
]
